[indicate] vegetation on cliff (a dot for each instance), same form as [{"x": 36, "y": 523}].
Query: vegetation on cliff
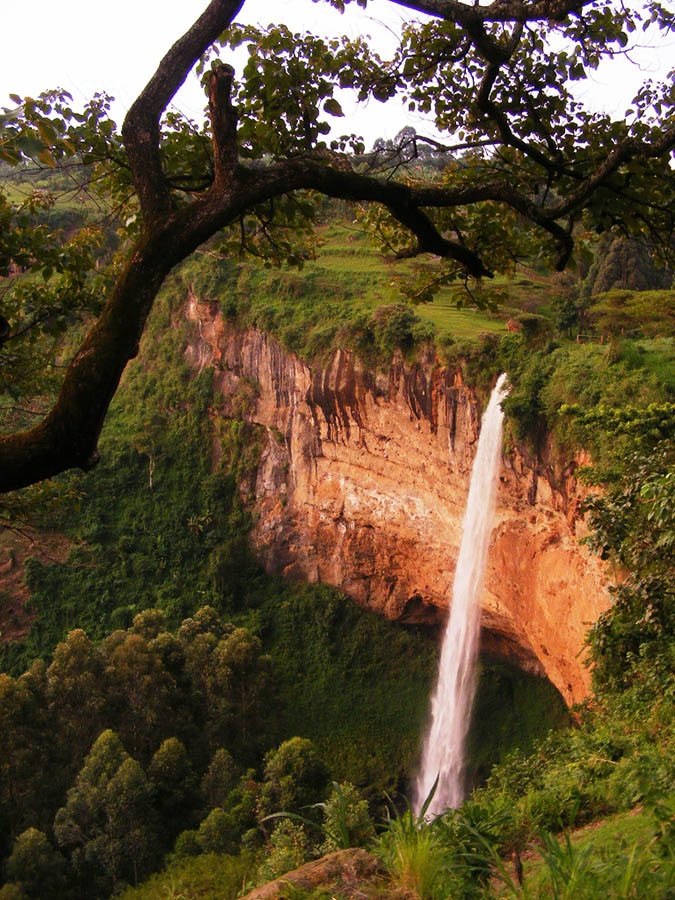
[{"x": 157, "y": 525}]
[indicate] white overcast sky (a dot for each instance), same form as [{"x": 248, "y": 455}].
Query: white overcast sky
[{"x": 86, "y": 46}]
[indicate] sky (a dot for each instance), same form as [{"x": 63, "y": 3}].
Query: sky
[{"x": 84, "y": 47}]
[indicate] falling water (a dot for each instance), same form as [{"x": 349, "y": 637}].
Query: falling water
[{"x": 443, "y": 753}]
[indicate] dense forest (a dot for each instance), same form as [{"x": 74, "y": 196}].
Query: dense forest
[{"x": 175, "y": 721}]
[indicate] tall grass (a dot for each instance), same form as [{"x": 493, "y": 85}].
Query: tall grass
[
  {"x": 413, "y": 855},
  {"x": 412, "y": 850},
  {"x": 465, "y": 854}
]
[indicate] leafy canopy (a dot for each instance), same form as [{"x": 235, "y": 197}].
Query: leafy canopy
[{"x": 525, "y": 169}]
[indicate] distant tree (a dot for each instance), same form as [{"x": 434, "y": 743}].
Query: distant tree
[
  {"x": 405, "y": 144},
  {"x": 149, "y": 623},
  {"x": 142, "y": 692},
  {"x": 218, "y": 833},
  {"x": 242, "y": 806},
  {"x": 187, "y": 713},
  {"x": 240, "y": 688},
  {"x": 565, "y": 311},
  {"x": 624, "y": 263},
  {"x": 230, "y": 676},
  {"x": 12, "y": 891},
  {"x": 636, "y": 313},
  {"x": 106, "y": 825},
  {"x": 205, "y": 621},
  {"x": 78, "y": 696},
  {"x": 29, "y": 777},
  {"x": 187, "y": 844},
  {"x": 132, "y": 822},
  {"x": 219, "y": 779},
  {"x": 380, "y": 144},
  {"x": 173, "y": 786},
  {"x": 199, "y": 669},
  {"x": 37, "y": 867}
]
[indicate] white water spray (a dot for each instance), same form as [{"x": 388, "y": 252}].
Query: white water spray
[{"x": 443, "y": 753}]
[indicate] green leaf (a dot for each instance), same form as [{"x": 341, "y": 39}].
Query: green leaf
[
  {"x": 332, "y": 107},
  {"x": 45, "y": 156},
  {"x": 29, "y": 145},
  {"x": 9, "y": 156}
]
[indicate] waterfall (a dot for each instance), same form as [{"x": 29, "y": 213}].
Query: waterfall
[{"x": 443, "y": 753}]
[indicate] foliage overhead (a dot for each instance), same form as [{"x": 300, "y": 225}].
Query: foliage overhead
[{"x": 537, "y": 168}]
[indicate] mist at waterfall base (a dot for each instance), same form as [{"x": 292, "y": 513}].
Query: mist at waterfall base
[{"x": 443, "y": 752}]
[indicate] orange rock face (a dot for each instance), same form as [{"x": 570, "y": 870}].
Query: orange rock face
[{"x": 362, "y": 484}]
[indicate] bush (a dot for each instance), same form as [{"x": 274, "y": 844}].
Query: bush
[
  {"x": 217, "y": 833},
  {"x": 346, "y": 820},
  {"x": 288, "y": 848},
  {"x": 12, "y": 891},
  {"x": 295, "y": 777},
  {"x": 414, "y": 855},
  {"x": 187, "y": 844}
]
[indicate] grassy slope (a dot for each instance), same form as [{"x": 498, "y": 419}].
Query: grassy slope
[
  {"x": 348, "y": 250},
  {"x": 332, "y": 300},
  {"x": 600, "y": 858},
  {"x": 613, "y": 857}
]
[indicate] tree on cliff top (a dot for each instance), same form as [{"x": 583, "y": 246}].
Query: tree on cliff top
[{"x": 537, "y": 167}]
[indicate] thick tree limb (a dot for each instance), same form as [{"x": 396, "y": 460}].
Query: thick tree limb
[
  {"x": 69, "y": 434},
  {"x": 67, "y": 437},
  {"x": 223, "y": 124},
  {"x": 466, "y": 14},
  {"x": 140, "y": 130}
]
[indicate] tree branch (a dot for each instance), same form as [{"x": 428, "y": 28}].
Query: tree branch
[
  {"x": 67, "y": 437},
  {"x": 623, "y": 152},
  {"x": 141, "y": 131},
  {"x": 223, "y": 124},
  {"x": 497, "y": 11}
]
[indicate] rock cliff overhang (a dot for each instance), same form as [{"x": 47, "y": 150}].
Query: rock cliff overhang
[{"x": 362, "y": 484}]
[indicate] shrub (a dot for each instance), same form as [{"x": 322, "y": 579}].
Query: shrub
[
  {"x": 295, "y": 777},
  {"x": 346, "y": 820},
  {"x": 187, "y": 844},
  {"x": 217, "y": 833},
  {"x": 288, "y": 848},
  {"x": 414, "y": 855}
]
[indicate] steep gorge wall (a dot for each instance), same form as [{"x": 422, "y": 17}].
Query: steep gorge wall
[{"x": 362, "y": 484}]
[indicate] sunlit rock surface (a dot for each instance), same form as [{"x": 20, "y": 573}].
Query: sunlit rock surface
[{"x": 362, "y": 484}]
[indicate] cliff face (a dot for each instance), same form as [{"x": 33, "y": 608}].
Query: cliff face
[{"x": 362, "y": 484}]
